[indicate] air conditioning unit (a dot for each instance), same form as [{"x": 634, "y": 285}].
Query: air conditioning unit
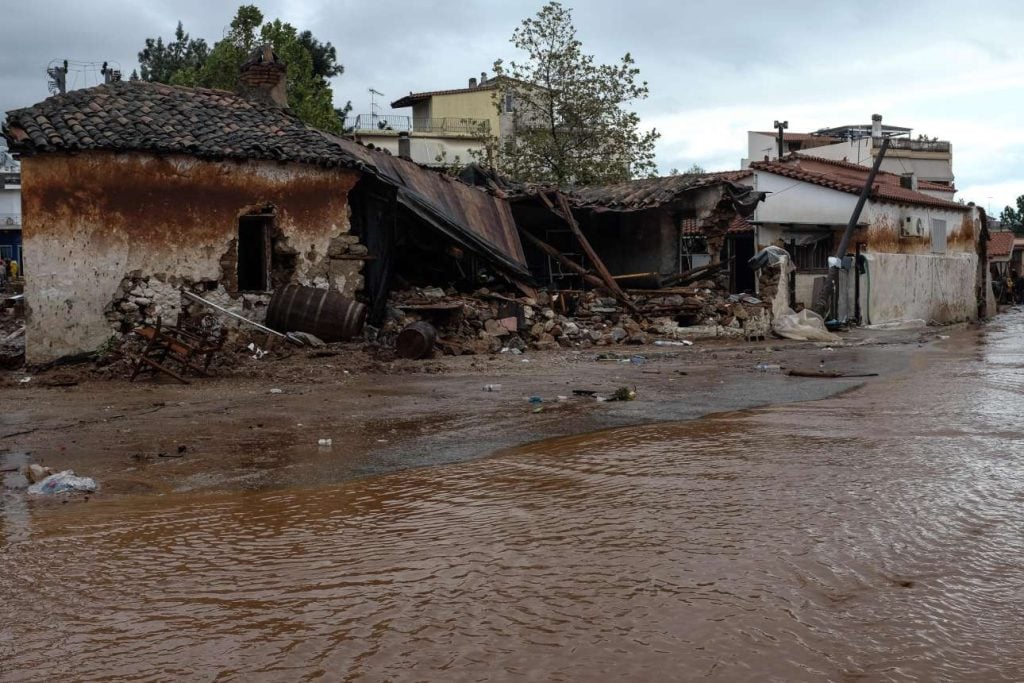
[{"x": 911, "y": 227}]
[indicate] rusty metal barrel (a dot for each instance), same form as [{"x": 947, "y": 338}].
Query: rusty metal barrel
[
  {"x": 416, "y": 340},
  {"x": 321, "y": 312}
]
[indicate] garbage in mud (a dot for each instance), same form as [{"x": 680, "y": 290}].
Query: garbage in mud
[
  {"x": 324, "y": 442},
  {"x": 63, "y": 482},
  {"x": 623, "y": 394},
  {"x": 492, "y": 387},
  {"x": 35, "y": 473},
  {"x": 536, "y": 402},
  {"x": 257, "y": 352},
  {"x": 767, "y": 368},
  {"x": 277, "y": 391},
  {"x": 666, "y": 342}
]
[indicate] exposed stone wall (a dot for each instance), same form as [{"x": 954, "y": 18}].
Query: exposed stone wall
[{"x": 111, "y": 239}]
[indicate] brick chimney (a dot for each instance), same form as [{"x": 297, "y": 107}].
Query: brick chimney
[{"x": 263, "y": 79}]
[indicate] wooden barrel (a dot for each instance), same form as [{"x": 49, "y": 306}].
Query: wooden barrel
[
  {"x": 321, "y": 312},
  {"x": 416, "y": 340}
]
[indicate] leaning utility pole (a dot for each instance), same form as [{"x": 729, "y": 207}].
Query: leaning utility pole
[
  {"x": 830, "y": 293},
  {"x": 781, "y": 126}
]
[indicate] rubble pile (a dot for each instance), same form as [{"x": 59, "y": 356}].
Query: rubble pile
[{"x": 488, "y": 322}]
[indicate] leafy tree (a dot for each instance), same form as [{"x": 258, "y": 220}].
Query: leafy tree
[
  {"x": 1014, "y": 218},
  {"x": 310, "y": 64},
  {"x": 568, "y": 119},
  {"x": 160, "y": 62},
  {"x": 695, "y": 169}
]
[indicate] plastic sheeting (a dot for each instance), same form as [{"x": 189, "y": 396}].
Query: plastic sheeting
[{"x": 803, "y": 326}]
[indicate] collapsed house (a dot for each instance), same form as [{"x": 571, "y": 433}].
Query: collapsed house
[
  {"x": 919, "y": 252},
  {"x": 646, "y": 233},
  {"x": 134, "y": 192}
]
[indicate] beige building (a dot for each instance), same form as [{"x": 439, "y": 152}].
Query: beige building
[{"x": 444, "y": 127}]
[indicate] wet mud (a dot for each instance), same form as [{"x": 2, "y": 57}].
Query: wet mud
[{"x": 871, "y": 535}]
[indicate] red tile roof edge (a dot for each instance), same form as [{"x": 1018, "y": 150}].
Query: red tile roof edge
[{"x": 880, "y": 192}]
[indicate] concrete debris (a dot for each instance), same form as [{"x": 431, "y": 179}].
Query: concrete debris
[{"x": 488, "y": 322}]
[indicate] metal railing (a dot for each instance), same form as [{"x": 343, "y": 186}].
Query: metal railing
[
  {"x": 10, "y": 220},
  {"x": 397, "y": 123},
  {"x": 917, "y": 145}
]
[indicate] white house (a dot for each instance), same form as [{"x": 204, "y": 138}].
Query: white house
[{"x": 920, "y": 251}]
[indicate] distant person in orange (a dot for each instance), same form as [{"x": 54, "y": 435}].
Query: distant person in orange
[{"x": 12, "y": 268}]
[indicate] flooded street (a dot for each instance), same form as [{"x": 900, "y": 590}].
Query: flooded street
[{"x": 875, "y": 535}]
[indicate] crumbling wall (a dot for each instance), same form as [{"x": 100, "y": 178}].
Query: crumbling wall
[{"x": 112, "y": 238}]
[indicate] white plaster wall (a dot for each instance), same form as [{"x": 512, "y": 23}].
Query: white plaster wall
[
  {"x": 929, "y": 287},
  {"x": 426, "y": 149},
  {"x": 795, "y": 201}
]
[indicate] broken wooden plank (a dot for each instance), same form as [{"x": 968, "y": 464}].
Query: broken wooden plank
[
  {"x": 564, "y": 260},
  {"x": 603, "y": 271}
]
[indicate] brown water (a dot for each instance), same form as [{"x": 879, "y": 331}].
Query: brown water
[{"x": 877, "y": 535}]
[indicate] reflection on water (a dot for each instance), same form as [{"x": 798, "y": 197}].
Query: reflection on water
[{"x": 875, "y": 535}]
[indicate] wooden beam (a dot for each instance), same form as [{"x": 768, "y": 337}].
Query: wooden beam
[
  {"x": 564, "y": 260},
  {"x": 609, "y": 281}
]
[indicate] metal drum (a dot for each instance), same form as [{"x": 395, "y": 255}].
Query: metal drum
[
  {"x": 416, "y": 340},
  {"x": 321, "y": 312}
]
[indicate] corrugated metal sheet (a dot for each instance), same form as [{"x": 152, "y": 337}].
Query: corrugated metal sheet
[{"x": 469, "y": 215}]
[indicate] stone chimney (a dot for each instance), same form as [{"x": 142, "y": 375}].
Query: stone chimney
[
  {"x": 876, "y": 125},
  {"x": 483, "y": 77},
  {"x": 263, "y": 79},
  {"x": 472, "y": 83}
]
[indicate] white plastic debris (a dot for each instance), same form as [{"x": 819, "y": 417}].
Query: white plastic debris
[
  {"x": 63, "y": 482},
  {"x": 277, "y": 391},
  {"x": 492, "y": 387},
  {"x": 666, "y": 342},
  {"x": 324, "y": 442},
  {"x": 803, "y": 326}
]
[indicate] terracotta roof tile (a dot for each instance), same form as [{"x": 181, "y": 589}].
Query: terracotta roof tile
[
  {"x": 168, "y": 119},
  {"x": 1000, "y": 244},
  {"x": 846, "y": 177}
]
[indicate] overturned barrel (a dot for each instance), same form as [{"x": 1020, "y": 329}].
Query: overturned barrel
[
  {"x": 416, "y": 340},
  {"x": 321, "y": 312}
]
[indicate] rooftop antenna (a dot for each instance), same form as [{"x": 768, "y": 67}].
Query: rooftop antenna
[{"x": 373, "y": 104}]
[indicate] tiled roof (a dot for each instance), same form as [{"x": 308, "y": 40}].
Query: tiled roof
[
  {"x": 201, "y": 122},
  {"x": 648, "y": 192},
  {"x": 1000, "y": 244},
  {"x": 414, "y": 97},
  {"x": 847, "y": 177}
]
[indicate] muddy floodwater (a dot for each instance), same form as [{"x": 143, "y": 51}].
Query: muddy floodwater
[{"x": 875, "y": 535}]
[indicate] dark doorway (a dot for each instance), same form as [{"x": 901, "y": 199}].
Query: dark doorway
[
  {"x": 254, "y": 252},
  {"x": 742, "y": 276}
]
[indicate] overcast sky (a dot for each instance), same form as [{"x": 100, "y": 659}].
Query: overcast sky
[{"x": 954, "y": 70}]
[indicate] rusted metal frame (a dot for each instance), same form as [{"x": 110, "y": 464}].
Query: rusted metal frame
[
  {"x": 564, "y": 260},
  {"x": 606, "y": 276}
]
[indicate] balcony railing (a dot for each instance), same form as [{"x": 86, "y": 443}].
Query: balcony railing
[
  {"x": 366, "y": 123},
  {"x": 916, "y": 145},
  {"x": 10, "y": 220}
]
